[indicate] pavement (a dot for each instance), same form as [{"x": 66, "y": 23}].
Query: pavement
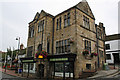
[
  {"x": 101, "y": 73},
  {"x": 106, "y": 73},
  {"x": 9, "y": 72}
]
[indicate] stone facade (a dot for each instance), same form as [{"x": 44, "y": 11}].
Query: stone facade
[{"x": 72, "y": 29}]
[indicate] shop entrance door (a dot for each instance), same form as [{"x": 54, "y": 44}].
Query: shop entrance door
[
  {"x": 116, "y": 58},
  {"x": 41, "y": 70}
]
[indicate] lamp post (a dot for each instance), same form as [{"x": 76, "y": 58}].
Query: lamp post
[{"x": 18, "y": 38}]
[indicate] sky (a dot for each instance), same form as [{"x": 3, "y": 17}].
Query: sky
[{"x": 16, "y": 14}]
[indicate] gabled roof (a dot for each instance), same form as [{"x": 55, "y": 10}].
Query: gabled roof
[
  {"x": 84, "y": 7},
  {"x": 36, "y": 16},
  {"x": 40, "y": 15}
]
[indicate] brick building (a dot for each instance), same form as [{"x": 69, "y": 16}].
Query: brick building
[{"x": 65, "y": 37}]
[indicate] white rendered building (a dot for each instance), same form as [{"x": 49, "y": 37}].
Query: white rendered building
[{"x": 113, "y": 48}]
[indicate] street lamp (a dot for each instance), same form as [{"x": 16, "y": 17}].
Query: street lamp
[{"x": 18, "y": 38}]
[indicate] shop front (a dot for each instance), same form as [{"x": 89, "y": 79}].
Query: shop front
[
  {"x": 62, "y": 65},
  {"x": 28, "y": 65}
]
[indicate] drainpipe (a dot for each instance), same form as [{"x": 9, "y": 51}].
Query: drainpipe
[
  {"x": 53, "y": 37},
  {"x": 97, "y": 45}
]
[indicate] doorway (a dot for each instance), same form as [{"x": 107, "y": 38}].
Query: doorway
[
  {"x": 116, "y": 58},
  {"x": 41, "y": 70}
]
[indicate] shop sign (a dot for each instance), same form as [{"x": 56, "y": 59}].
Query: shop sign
[
  {"x": 27, "y": 61},
  {"x": 59, "y": 59}
]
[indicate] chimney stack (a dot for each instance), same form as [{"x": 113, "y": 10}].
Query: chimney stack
[{"x": 100, "y": 24}]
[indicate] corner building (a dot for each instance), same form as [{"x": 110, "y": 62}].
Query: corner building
[{"x": 64, "y": 37}]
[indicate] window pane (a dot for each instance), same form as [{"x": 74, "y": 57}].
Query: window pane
[
  {"x": 57, "y": 25},
  {"x": 88, "y": 66},
  {"x": 60, "y": 23},
  {"x": 65, "y": 42},
  {"x": 108, "y": 56},
  {"x": 59, "y": 67},
  {"x": 43, "y": 24},
  {"x": 107, "y": 46},
  {"x": 57, "y": 44}
]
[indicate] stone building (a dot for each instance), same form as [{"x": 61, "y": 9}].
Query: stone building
[{"x": 65, "y": 37}]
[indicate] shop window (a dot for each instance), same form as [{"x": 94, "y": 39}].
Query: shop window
[
  {"x": 108, "y": 56},
  {"x": 25, "y": 66},
  {"x": 31, "y": 66},
  {"x": 59, "y": 67},
  {"x": 88, "y": 66}
]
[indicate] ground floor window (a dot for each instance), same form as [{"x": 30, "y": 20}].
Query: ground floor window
[
  {"x": 31, "y": 67},
  {"x": 61, "y": 68},
  {"x": 108, "y": 56},
  {"x": 88, "y": 66}
]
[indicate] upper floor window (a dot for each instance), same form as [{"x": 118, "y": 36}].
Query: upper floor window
[
  {"x": 99, "y": 34},
  {"x": 63, "y": 46},
  {"x": 86, "y": 22},
  {"x": 41, "y": 26},
  {"x": 40, "y": 47},
  {"x": 67, "y": 20},
  {"x": 101, "y": 53},
  {"x": 58, "y": 23},
  {"x": 29, "y": 51},
  {"x": 107, "y": 46},
  {"x": 88, "y": 45},
  {"x": 31, "y": 31}
]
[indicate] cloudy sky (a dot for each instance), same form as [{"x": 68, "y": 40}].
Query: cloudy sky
[{"x": 16, "y": 14}]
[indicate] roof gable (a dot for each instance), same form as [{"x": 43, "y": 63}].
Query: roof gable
[
  {"x": 84, "y": 6},
  {"x": 42, "y": 13},
  {"x": 36, "y": 16}
]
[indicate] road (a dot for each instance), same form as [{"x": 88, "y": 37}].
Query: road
[
  {"x": 116, "y": 77},
  {"x": 9, "y": 77}
]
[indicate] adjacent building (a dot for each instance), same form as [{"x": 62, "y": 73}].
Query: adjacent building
[
  {"x": 112, "y": 48},
  {"x": 65, "y": 37}
]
